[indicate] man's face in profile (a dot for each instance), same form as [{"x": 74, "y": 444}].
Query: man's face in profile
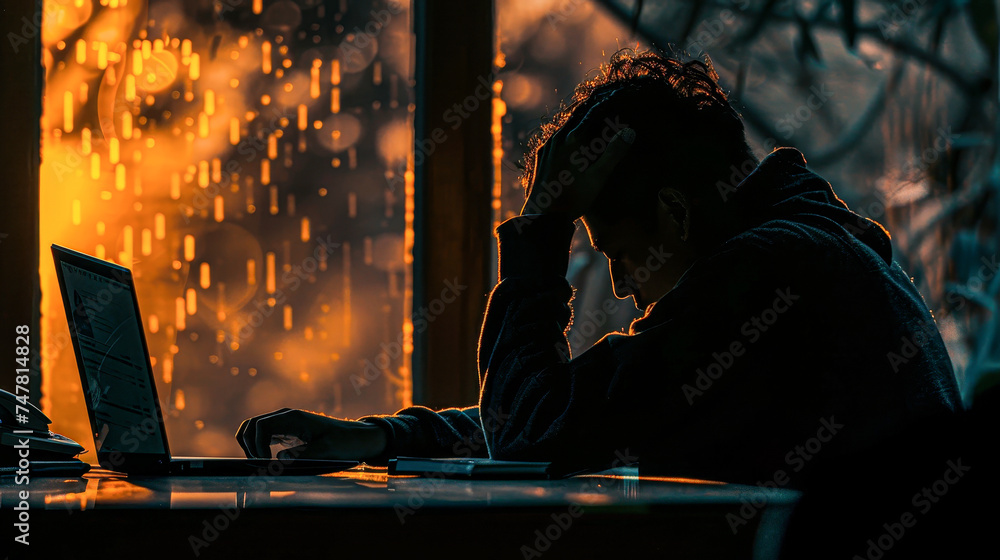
[
  {"x": 647, "y": 251},
  {"x": 632, "y": 255}
]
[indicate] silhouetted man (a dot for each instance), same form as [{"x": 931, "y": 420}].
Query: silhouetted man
[{"x": 778, "y": 331}]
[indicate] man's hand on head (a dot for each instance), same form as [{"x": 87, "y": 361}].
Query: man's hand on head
[
  {"x": 574, "y": 165},
  {"x": 311, "y": 435}
]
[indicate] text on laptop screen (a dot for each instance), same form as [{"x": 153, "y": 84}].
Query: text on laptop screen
[{"x": 114, "y": 363}]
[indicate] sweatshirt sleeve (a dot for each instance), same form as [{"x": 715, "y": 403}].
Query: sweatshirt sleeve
[
  {"x": 418, "y": 431},
  {"x": 537, "y": 403}
]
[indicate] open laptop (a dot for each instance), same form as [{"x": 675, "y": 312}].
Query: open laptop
[{"x": 118, "y": 383}]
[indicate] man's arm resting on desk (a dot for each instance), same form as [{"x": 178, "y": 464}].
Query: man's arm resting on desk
[
  {"x": 416, "y": 431},
  {"x": 421, "y": 432}
]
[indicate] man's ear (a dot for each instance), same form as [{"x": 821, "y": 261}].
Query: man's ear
[{"x": 675, "y": 204}]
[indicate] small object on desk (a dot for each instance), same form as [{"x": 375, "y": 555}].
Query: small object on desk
[
  {"x": 70, "y": 467},
  {"x": 476, "y": 468},
  {"x": 25, "y": 435}
]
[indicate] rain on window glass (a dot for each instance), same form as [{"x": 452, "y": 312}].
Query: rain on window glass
[{"x": 251, "y": 161}]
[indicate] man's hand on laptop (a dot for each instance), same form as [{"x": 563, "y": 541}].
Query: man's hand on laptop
[{"x": 311, "y": 435}]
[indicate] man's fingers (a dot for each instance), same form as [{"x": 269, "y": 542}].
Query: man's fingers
[
  {"x": 319, "y": 449},
  {"x": 615, "y": 152},
  {"x": 288, "y": 422},
  {"x": 247, "y": 432},
  {"x": 239, "y": 436},
  {"x": 587, "y": 126},
  {"x": 257, "y": 429}
]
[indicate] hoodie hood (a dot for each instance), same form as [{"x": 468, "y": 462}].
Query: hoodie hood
[{"x": 781, "y": 187}]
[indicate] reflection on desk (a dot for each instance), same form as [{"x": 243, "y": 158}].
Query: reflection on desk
[{"x": 365, "y": 512}]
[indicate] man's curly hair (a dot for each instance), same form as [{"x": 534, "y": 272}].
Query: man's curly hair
[{"x": 687, "y": 134}]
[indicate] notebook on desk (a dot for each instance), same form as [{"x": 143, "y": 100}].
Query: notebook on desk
[
  {"x": 118, "y": 384},
  {"x": 477, "y": 468}
]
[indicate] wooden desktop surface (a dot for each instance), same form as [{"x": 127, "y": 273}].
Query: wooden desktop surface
[{"x": 366, "y": 513}]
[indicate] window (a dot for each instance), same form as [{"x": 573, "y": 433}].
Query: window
[{"x": 248, "y": 160}]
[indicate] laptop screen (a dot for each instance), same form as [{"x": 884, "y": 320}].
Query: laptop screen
[{"x": 115, "y": 369}]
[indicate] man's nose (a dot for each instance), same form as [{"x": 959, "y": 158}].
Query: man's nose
[{"x": 624, "y": 284}]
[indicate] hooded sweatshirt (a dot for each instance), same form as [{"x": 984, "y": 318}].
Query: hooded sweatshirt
[{"x": 796, "y": 341}]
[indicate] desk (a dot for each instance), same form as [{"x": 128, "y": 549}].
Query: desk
[{"x": 365, "y": 513}]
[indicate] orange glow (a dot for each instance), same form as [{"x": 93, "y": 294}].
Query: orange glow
[
  {"x": 146, "y": 125},
  {"x": 68, "y": 112},
  {"x": 273, "y": 194},
  {"x": 314, "y": 79},
  {"x": 272, "y": 152},
  {"x": 205, "y": 275},
  {"x": 191, "y": 301},
  {"x": 189, "y": 248},
  {"x": 160, "y": 226},
  {"x": 120, "y": 177},
  {"x": 234, "y": 131},
  {"x": 303, "y": 117},
  {"x": 496, "y": 129},
  {"x": 180, "y": 317},
  {"x": 85, "y": 146},
  {"x": 335, "y": 100},
  {"x": 194, "y": 66},
  {"x": 209, "y": 102},
  {"x": 335, "y": 72},
  {"x": 269, "y": 272},
  {"x": 127, "y": 126}
]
